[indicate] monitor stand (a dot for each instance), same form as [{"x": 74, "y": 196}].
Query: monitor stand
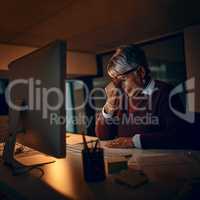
[{"x": 16, "y": 127}]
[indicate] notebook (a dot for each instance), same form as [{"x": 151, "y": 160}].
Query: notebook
[{"x": 131, "y": 178}]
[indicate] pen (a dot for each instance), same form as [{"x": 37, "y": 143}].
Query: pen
[
  {"x": 92, "y": 146},
  {"x": 84, "y": 142},
  {"x": 95, "y": 147}
]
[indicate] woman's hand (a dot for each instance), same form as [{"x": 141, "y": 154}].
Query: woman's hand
[
  {"x": 121, "y": 142},
  {"x": 113, "y": 94}
]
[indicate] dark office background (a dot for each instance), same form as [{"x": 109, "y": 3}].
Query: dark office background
[{"x": 166, "y": 60}]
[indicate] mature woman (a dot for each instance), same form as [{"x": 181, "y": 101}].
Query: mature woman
[{"x": 137, "y": 110}]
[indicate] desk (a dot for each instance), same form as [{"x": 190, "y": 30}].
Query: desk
[{"x": 64, "y": 180}]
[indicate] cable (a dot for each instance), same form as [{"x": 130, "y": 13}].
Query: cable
[{"x": 23, "y": 151}]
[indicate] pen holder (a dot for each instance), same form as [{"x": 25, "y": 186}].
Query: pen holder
[{"x": 93, "y": 164}]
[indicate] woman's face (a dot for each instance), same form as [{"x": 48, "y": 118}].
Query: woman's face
[{"x": 130, "y": 83}]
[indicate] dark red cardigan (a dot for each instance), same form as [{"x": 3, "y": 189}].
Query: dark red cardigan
[{"x": 168, "y": 133}]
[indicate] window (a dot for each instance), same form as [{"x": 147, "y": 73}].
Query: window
[{"x": 75, "y": 106}]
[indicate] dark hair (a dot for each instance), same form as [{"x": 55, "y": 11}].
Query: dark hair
[{"x": 130, "y": 55}]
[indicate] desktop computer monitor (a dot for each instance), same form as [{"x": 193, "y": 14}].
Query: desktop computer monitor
[{"x": 36, "y": 91}]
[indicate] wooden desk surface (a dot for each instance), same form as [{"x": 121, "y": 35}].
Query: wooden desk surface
[{"x": 64, "y": 180}]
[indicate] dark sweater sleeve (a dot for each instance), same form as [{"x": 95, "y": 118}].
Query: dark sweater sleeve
[
  {"x": 105, "y": 128},
  {"x": 171, "y": 134}
]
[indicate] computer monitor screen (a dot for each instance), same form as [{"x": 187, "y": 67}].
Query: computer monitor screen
[{"x": 37, "y": 86}]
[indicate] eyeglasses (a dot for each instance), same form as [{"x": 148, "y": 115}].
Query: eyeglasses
[
  {"x": 129, "y": 71},
  {"x": 124, "y": 76}
]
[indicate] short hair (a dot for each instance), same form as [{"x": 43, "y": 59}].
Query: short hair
[{"x": 129, "y": 57}]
